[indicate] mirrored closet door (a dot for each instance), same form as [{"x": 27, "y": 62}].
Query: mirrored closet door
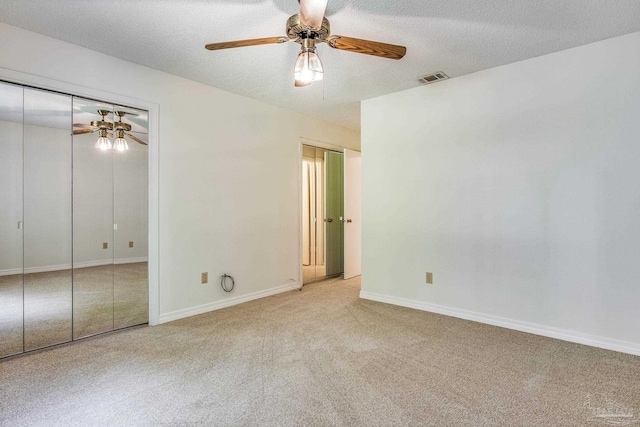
[
  {"x": 110, "y": 281},
  {"x": 11, "y": 220},
  {"x": 93, "y": 225},
  {"x": 322, "y": 213},
  {"x": 47, "y": 219},
  {"x": 73, "y": 219},
  {"x": 109, "y": 219}
]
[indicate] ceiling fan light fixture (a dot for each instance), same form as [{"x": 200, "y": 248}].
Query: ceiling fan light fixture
[
  {"x": 103, "y": 143},
  {"x": 308, "y": 66},
  {"x": 120, "y": 144}
]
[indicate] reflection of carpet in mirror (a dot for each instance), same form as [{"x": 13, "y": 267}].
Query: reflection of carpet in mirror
[
  {"x": 105, "y": 298},
  {"x": 312, "y": 272},
  {"x": 47, "y": 308},
  {"x": 11, "y": 314},
  {"x": 109, "y": 297}
]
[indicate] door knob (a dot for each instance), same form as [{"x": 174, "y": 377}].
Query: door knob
[
  {"x": 329, "y": 220},
  {"x": 349, "y": 220}
]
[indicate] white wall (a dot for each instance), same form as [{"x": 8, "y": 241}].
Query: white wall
[
  {"x": 519, "y": 188},
  {"x": 109, "y": 187},
  {"x": 47, "y": 197},
  {"x": 10, "y": 195},
  {"x": 229, "y": 172},
  {"x": 130, "y": 208},
  {"x": 117, "y": 179},
  {"x": 39, "y": 195}
]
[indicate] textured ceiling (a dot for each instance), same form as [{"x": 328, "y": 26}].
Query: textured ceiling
[
  {"x": 53, "y": 110},
  {"x": 455, "y": 36}
]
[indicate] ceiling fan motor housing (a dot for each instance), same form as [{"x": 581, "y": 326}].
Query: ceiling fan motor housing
[
  {"x": 297, "y": 31},
  {"x": 122, "y": 126},
  {"x": 102, "y": 124}
]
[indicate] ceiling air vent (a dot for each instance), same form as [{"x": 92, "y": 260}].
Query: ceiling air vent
[{"x": 432, "y": 78}]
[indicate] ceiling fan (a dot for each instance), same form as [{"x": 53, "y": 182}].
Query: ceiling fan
[
  {"x": 309, "y": 28},
  {"x": 106, "y": 128}
]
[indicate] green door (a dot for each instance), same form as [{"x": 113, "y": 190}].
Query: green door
[{"x": 334, "y": 212}]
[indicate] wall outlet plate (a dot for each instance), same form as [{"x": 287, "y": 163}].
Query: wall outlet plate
[
  {"x": 429, "y": 278},
  {"x": 105, "y": 245},
  {"x": 204, "y": 278},
  {"x": 130, "y": 244}
]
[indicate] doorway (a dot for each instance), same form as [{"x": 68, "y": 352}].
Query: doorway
[{"x": 322, "y": 213}]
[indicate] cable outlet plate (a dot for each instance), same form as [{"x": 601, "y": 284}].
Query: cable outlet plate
[
  {"x": 429, "y": 278},
  {"x": 204, "y": 278}
]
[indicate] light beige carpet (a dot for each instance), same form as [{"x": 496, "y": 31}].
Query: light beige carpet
[{"x": 318, "y": 357}]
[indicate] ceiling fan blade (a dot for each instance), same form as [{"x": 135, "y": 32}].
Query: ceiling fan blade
[
  {"x": 299, "y": 83},
  {"x": 243, "y": 43},
  {"x": 312, "y": 12},
  {"x": 367, "y": 47},
  {"x": 82, "y": 125},
  {"x": 82, "y": 131},
  {"x": 139, "y": 141}
]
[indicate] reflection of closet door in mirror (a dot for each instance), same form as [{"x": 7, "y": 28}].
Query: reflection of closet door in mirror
[
  {"x": 47, "y": 217},
  {"x": 334, "y": 202},
  {"x": 130, "y": 195},
  {"x": 11, "y": 262},
  {"x": 92, "y": 226},
  {"x": 309, "y": 216},
  {"x": 321, "y": 270}
]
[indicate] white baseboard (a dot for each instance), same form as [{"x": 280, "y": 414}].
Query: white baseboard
[
  {"x": 14, "y": 271},
  {"x": 130, "y": 260},
  {"x": 228, "y": 302},
  {"x": 83, "y": 264},
  {"x": 532, "y": 328}
]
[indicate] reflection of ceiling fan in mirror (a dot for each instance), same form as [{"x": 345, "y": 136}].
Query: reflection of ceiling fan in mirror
[
  {"x": 309, "y": 28},
  {"x": 106, "y": 129}
]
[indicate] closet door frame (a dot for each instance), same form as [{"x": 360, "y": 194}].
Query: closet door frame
[{"x": 37, "y": 82}]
